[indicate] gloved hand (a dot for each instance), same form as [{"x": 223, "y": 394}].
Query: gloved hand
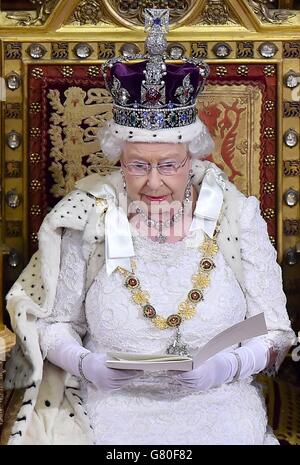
[
  {"x": 96, "y": 371},
  {"x": 66, "y": 354},
  {"x": 224, "y": 367},
  {"x": 217, "y": 370}
]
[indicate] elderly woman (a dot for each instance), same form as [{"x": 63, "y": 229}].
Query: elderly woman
[{"x": 164, "y": 252}]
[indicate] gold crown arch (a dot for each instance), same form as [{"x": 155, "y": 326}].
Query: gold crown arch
[{"x": 54, "y": 103}]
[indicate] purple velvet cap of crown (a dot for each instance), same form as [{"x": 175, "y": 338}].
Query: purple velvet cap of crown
[{"x": 131, "y": 77}]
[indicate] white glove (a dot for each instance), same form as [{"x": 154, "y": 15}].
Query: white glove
[
  {"x": 96, "y": 371},
  {"x": 225, "y": 367},
  {"x": 66, "y": 355}
]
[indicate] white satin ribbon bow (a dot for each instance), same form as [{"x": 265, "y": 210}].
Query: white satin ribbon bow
[
  {"x": 209, "y": 203},
  {"x": 118, "y": 239}
]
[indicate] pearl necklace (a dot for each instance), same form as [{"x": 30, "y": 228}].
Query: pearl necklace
[{"x": 187, "y": 308}]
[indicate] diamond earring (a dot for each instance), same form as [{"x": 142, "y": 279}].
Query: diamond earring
[
  {"x": 124, "y": 182},
  {"x": 188, "y": 189}
]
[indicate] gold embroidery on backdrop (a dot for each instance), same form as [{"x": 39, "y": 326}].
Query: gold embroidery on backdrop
[
  {"x": 37, "y": 73},
  {"x": 75, "y": 122},
  {"x": 233, "y": 114}
]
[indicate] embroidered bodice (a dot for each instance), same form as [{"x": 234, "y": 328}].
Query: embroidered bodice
[{"x": 165, "y": 271}]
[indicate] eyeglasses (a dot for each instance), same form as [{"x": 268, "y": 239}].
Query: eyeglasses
[{"x": 139, "y": 168}]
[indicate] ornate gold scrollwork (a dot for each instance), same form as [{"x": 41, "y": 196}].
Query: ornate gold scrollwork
[
  {"x": 133, "y": 10},
  {"x": 267, "y": 15},
  {"x": 216, "y": 12},
  {"x": 88, "y": 12},
  {"x": 43, "y": 9}
]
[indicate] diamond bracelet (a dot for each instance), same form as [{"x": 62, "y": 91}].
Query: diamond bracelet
[
  {"x": 239, "y": 368},
  {"x": 81, "y": 357}
]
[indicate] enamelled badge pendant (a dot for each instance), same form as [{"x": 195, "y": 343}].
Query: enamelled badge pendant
[
  {"x": 177, "y": 347},
  {"x": 161, "y": 239}
]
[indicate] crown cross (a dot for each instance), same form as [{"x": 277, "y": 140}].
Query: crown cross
[{"x": 157, "y": 19}]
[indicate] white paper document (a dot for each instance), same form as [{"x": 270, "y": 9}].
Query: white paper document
[{"x": 246, "y": 329}]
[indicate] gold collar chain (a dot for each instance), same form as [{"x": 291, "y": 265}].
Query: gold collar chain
[{"x": 187, "y": 308}]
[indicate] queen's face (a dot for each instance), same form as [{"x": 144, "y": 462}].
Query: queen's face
[{"x": 155, "y": 187}]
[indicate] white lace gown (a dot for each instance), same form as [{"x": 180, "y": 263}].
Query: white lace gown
[{"x": 154, "y": 408}]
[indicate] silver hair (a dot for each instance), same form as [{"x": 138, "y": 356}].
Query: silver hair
[{"x": 200, "y": 147}]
